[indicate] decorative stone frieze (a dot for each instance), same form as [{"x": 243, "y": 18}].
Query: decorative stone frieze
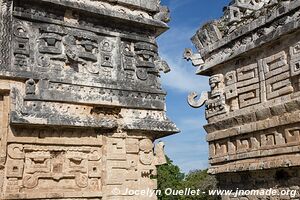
[
  {"x": 252, "y": 58},
  {"x": 80, "y": 98}
]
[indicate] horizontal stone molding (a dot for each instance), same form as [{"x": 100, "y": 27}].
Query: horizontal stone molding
[
  {"x": 118, "y": 17},
  {"x": 282, "y": 161},
  {"x": 256, "y": 121}
]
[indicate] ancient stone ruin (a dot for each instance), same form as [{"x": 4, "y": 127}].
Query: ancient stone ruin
[
  {"x": 252, "y": 56},
  {"x": 80, "y": 98}
]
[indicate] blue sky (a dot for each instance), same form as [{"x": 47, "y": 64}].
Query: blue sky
[{"x": 187, "y": 149}]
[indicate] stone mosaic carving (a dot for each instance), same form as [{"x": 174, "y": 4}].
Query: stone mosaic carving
[
  {"x": 214, "y": 100},
  {"x": 251, "y": 55},
  {"x": 38, "y": 169},
  {"x": 80, "y": 98}
]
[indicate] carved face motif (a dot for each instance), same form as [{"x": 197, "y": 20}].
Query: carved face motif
[
  {"x": 87, "y": 49},
  {"x": 50, "y": 43},
  {"x": 20, "y": 31},
  {"x": 215, "y": 81},
  {"x": 106, "y": 46},
  {"x": 146, "y": 145}
]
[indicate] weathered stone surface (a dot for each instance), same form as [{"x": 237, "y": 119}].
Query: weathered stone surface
[
  {"x": 80, "y": 98},
  {"x": 252, "y": 56}
]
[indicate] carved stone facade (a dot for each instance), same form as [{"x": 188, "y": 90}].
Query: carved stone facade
[
  {"x": 80, "y": 98},
  {"x": 252, "y": 56}
]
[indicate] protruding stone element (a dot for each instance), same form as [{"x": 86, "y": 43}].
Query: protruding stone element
[
  {"x": 195, "y": 58},
  {"x": 162, "y": 65},
  {"x": 163, "y": 15},
  {"x": 197, "y": 103},
  {"x": 160, "y": 157},
  {"x": 30, "y": 87}
]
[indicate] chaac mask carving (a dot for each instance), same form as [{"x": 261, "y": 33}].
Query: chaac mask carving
[
  {"x": 214, "y": 100},
  {"x": 251, "y": 57},
  {"x": 80, "y": 98}
]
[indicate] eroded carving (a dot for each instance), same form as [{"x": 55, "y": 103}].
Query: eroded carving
[
  {"x": 21, "y": 46},
  {"x": 252, "y": 56},
  {"x": 80, "y": 98},
  {"x": 34, "y": 165},
  {"x": 160, "y": 157},
  {"x": 214, "y": 100},
  {"x": 195, "y": 58}
]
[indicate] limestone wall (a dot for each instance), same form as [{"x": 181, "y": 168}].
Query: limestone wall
[
  {"x": 80, "y": 98},
  {"x": 252, "y": 58}
]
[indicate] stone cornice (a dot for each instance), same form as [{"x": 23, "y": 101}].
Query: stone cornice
[
  {"x": 217, "y": 47},
  {"x": 117, "y": 13}
]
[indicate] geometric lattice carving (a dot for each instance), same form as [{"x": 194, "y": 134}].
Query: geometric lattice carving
[
  {"x": 277, "y": 75},
  {"x": 248, "y": 85},
  {"x": 255, "y": 143}
]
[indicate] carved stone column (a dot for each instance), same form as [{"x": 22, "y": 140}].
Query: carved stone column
[
  {"x": 80, "y": 98},
  {"x": 252, "y": 56}
]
